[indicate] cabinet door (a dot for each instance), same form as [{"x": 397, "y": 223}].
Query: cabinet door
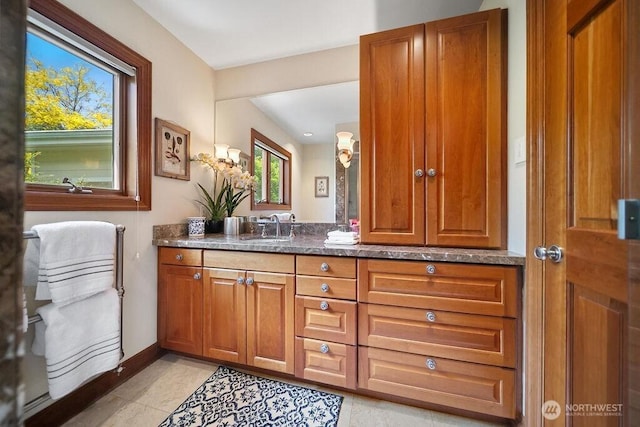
[
  {"x": 225, "y": 315},
  {"x": 392, "y": 136},
  {"x": 270, "y": 334},
  {"x": 180, "y": 308},
  {"x": 466, "y": 130}
]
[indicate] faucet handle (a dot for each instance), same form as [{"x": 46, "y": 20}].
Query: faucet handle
[
  {"x": 292, "y": 232},
  {"x": 263, "y": 229}
]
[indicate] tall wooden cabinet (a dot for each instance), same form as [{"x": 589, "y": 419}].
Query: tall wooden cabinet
[{"x": 433, "y": 133}]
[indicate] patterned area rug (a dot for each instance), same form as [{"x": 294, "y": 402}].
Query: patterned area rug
[{"x": 232, "y": 398}]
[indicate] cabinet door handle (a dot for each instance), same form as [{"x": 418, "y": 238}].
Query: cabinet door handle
[
  {"x": 240, "y": 280},
  {"x": 419, "y": 173},
  {"x": 324, "y": 349},
  {"x": 249, "y": 281},
  {"x": 431, "y": 316},
  {"x": 197, "y": 276},
  {"x": 324, "y": 305},
  {"x": 432, "y": 172},
  {"x": 431, "y": 364},
  {"x": 324, "y": 267},
  {"x": 324, "y": 287},
  {"x": 431, "y": 268},
  {"x": 179, "y": 257}
]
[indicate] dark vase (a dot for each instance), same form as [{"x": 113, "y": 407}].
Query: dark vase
[{"x": 213, "y": 226}]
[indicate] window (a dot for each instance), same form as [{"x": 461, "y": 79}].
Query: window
[
  {"x": 272, "y": 168},
  {"x": 88, "y": 115}
]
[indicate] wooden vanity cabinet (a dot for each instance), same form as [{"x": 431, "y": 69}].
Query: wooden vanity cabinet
[
  {"x": 180, "y": 300},
  {"x": 433, "y": 133},
  {"x": 439, "y": 332},
  {"x": 326, "y": 320},
  {"x": 249, "y": 309}
]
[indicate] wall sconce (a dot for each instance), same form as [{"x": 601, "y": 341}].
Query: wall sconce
[
  {"x": 345, "y": 148},
  {"x": 223, "y": 153}
]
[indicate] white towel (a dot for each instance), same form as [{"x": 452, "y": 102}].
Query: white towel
[
  {"x": 342, "y": 241},
  {"x": 342, "y": 234},
  {"x": 82, "y": 339},
  {"x": 76, "y": 259}
]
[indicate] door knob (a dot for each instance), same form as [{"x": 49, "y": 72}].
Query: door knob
[
  {"x": 554, "y": 253},
  {"x": 419, "y": 173},
  {"x": 432, "y": 172}
]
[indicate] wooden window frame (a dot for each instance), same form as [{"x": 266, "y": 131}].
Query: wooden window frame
[
  {"x": 57, "y": 198},
  {"x": 286, "y": 173}
]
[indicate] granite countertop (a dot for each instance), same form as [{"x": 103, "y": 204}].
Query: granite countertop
[{"x": 314, "y": 245}]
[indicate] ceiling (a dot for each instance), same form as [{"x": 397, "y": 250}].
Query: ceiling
[{"x": 229, "y": 33}]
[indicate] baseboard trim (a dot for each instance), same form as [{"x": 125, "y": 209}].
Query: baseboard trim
[{"x": 72, "y": 404}]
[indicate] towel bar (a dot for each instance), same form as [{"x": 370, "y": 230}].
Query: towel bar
[{"x": 30, "y": 234}]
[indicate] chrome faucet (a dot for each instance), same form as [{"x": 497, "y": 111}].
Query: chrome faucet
[{"x": 277, "y": 220}]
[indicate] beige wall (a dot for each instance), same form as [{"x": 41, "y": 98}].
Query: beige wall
[
  {"x": 517, "y": 117},
  {"x": 183, "y": 92},
  {"x": 319, "y": 161},
  {"x": 295, "y": 72}
]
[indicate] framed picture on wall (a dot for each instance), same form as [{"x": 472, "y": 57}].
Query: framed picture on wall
[
  {"x": 245, "y": 162},
  {"x": 322, "y": 186},
  {"x": 172, "y": 150}
]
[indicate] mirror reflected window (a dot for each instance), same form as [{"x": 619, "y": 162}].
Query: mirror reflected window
[{"x": 272, "y": 168}]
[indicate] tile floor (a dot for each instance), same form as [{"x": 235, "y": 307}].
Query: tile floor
[{"x": 150, "y": 396}]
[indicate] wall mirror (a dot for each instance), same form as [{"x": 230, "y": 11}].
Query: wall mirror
[{"x": 288, "y": 117}]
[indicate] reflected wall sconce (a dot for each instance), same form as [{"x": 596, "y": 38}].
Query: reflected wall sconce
[
  {"x": 345, "y": 148},
  {"x": 223, "y": 153}
]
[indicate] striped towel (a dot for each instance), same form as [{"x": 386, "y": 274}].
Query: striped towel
[
  {"x": 81, "y": 340},
  {"x": 76, "y": 260}
]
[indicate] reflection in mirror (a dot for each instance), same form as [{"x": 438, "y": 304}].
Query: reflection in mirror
[
  {"x": 284, "y": 117},
  {"x": 271, "y": 165}
]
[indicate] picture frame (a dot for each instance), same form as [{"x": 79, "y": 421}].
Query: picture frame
[
  {"x": 172, "y": 150},
  {"x": 245, "y": 162},
  {"x": 322, "y": 186}
]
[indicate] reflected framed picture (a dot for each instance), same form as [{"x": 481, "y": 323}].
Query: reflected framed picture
[
  {"x": 172, "y": 150},
  {"x": 322, "y": 186},
  {"x": 245, "y": 162}
]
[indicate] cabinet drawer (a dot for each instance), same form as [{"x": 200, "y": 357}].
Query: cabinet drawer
[
  {"x": 326, "y": 266},
  {"x": 480, "y": 289},
  {"x": 326, "y": 362},
  {"x": 480, "y": 388},
  {"x": 469, "y": 337},
  {"x": 253, "y": 261},
  {"x": 327, "y": 287},
  {"x": 180, "y": 256},
  {"x": 326, "y": 319}
]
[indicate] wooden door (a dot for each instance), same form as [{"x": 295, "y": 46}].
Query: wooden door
[
  {"x": 466, "y": 130},
  {"x": 224, "y": 330},
  {"x": 270, "y": 321},
  {"x": 392, "y": 136},
  {"x": 585, "y": 171},
  {"x": 180, "y": 308}
]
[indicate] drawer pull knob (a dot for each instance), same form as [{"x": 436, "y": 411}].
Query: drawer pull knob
[
  {"x": 431, "y": 268},
  {"x": 431, "y": 316},
  {"x": 197, "y": 276},
  {"x": 179, "y": 257},
  {"x": 324, "y": 267},
  {"x": 324, "y": 287},
  {"x": 324, "y": 349},
  {"x": 431, "y": 364},
  {"x": 324, "y": 305},
  {"x": 249, "y": 281},
  {"x": 240, "y": 280}
]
